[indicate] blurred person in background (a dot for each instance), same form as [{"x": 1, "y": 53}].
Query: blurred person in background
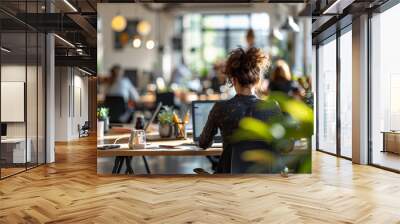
[
  {"x": 218, "y": 78},
  {"x": 305, "y": 83},
  {"x": 120, "y": 86},
  {"x": 181, "y": 74},
  {"x": 281, "y": 81},
  {"x": 250, "y": 38}
]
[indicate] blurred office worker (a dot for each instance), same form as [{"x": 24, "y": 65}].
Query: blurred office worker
[
  {"x": 281, "y": 81},
  {"x": 244, "y": 69},
  {"x": 250, "y": 38},
  {"x": 121, "y": 96}
]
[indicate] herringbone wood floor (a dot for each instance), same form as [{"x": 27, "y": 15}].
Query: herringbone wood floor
[{"x": 71, "y": 192}]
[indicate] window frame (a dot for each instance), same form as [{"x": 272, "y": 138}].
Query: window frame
[{"x": 333, "y": 37}]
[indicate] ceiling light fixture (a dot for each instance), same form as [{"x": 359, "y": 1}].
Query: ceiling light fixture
[
  {"x": 143, "y": 27},
  {"x": 290, "y": 25},
  {"x": 5, "y": 50},
  {"x": 64, "y": 40},
  {"x": 334, "y": 8},
  {"x": 150, "y": 44},
  {"x": 70, "y": 5},
  {"x": 136, "y": 43},
  {"x": 84, "y": 71},
  {"x": 118, "y": 23}
]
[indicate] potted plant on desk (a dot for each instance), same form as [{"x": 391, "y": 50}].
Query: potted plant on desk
[
  {"x": 102, "y": 120},
  {"x": 166, "y": 124}
]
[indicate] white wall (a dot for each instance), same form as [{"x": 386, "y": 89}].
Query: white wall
[
  {"x": 33, "y": 127},
  {"x": 71, "y": 94},
  {"x": 129, "y": 57},
  {"x": 16, "y": 73}
]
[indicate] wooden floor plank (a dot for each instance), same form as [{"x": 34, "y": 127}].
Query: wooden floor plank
[{"x": 70, "y": 191}]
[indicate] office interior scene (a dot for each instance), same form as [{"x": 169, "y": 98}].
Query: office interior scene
[
  {"x": 45, "y": 84},
  {"x": 167, "y": 64},
  {"x": 345, "y": 98},
  {"x": 52, "y": 56}
]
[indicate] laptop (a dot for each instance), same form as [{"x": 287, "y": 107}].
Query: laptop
[
  {"x": 200, "y": 112},
  {"x": 153, "y": 116}
]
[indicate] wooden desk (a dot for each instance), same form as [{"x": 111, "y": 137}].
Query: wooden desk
[
  {"x": 154, "y": 148},
  {"x": 14, "y": 151}
]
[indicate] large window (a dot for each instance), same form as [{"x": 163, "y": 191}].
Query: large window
[
  {"x": 385, "y": 89},
  {"x": 327, "y": 97},
  {"x": 346, "y": 94},
  {"x": 209, "y": 37}
]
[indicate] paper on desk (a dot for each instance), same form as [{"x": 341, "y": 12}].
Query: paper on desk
[{"x": 179, "y": 147}]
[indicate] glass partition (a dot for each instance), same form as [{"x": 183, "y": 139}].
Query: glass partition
[
  {"x": 22, "y": 92},
  {"x": 327, "y": 97},
  {"x": 385, "y": 89},
  {"x": 15, "y": 152}
]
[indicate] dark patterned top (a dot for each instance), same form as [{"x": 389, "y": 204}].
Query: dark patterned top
[{"x": 225, "y": 116}]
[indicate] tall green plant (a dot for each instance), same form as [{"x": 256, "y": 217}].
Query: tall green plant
[{"x": 295, "y": 123}]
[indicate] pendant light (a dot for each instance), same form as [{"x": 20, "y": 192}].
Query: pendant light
[
  {"x": 143, "y": 28},
  {"x": 136, "y": 42},
  {"x": 118, "y": 23},
  {"x": 290, "y": 25},
  {"x": 150, "y": 44}
]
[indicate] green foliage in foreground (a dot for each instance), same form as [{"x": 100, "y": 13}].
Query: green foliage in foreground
[{"x": 294, "y": 125}]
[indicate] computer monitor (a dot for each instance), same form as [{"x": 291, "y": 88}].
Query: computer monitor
[
  {"x": 200, "y": 111},
  {"x": 3, "y": 130}
]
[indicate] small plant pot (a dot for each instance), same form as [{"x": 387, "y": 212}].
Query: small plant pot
[
  {"x": 106, "y": 124},
  {"x": 165, "y": 130}
]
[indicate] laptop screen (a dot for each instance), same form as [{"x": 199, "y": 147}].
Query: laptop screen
[{"x": 200, "y": 112}]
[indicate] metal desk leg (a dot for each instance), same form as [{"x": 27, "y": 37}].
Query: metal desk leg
[
  {"x": 116, "y": 164},
  {"x": 146, "y": 165},
  {"x": 129, "y": 169},
  {"x": 121, "y": 163}
]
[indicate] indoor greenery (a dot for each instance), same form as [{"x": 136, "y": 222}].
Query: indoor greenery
[
  {"x": 102, "y": 113},
  {"x": 166, "y": 115},
  {"x": 296, "y": 123}
]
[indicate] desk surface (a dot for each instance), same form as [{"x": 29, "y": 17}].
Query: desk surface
[{"x": 153, "y": 149}]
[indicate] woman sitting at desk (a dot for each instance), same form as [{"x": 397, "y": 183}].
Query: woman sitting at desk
[{"x": 244, "y": 69}]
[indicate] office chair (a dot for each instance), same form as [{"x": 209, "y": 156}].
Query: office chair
[
  {"x": 118, "y": 109},
  {"x": 84, "y": 129},
  {"x": 167, "y": 99}
]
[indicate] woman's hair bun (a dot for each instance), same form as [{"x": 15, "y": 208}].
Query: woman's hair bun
[{"x": 246, "y": 66}]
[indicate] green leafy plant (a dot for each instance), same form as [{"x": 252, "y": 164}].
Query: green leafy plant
[
  {"x": 102, "y": 113},
  {"x": 166, "y": 115},
  {"x": 296, "y": 123}
]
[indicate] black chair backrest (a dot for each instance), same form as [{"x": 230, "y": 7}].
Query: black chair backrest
[
  {"x": 241, "y": 151},
  {"x": 167, "y": 99},
  {"x": 86, "y": 125},
  {"x": 117, "y": 107}
]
